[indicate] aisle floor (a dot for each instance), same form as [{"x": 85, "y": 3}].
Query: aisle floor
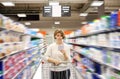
[{"x": 38, "y": 74}]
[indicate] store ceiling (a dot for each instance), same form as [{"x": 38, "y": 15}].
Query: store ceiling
[{"x": 35, "y": 8}]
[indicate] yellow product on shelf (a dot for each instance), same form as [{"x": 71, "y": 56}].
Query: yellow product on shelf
[
  {"x": 1, "y": 21},
  {"x": 8, "y": 48},
  {"x": 7, "y": 23},
  {"x": 2, "y": 53}
]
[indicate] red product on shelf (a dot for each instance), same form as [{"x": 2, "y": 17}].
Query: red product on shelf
[
  {"x": 119, "y": 17},
  {"x": 15, "y": 57},
  {"x": 8, "y": 63},
  {"x": 9, "y": 74}
]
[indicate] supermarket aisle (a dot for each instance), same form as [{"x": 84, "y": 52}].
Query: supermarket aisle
[{"x": 38, "y": 73}]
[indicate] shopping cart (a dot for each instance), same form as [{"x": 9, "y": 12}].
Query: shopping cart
[{"x": 48, "y": 74}]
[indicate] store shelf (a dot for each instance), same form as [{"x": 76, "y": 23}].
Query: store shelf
[
  {"x": 87, "y": 67},
  {"x": 98, "y": 61},
  {"x": 12, "y": 66},
  {"x": 21, "y": 70},
  {"x": 25, "y": 67},
  {"x": 108, "y": 47},
  {"x": 15, "y": 52},
  {"x": 95, "y": 33},
  {"x": 98, "y": 75},
  {"x": 33, "y": 36}
]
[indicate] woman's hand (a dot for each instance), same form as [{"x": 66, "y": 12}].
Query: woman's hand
[
  {"x": 54, "y": 61},
  {"x": 57, "y": 62},
  {"x": 63, "y": 51}
]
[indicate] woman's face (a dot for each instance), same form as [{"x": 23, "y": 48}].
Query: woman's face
[{"x": 58, "y": 36}]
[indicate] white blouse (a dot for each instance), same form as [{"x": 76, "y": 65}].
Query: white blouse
[{"x": 53, "y": 52}]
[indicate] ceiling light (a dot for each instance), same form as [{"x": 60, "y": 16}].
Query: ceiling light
[
  {"x": 35, "y": 29},
  {"x": 97, "y": 3},
  {"x": 84, "y": 22},
  {"x": 83, "y": 14},
  {"x": 66, "y": 7},
  {"x": 57, "y": 22},
  {"x": 21, "y": 15},
  {"x": 27, "y": 23},
  {"x": 8, "y": 3},
  {"x": 53, "y": 3}
]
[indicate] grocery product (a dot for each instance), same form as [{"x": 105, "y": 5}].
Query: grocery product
[
  {"x": 113, "y": 19},
  {"x": 2, "y": 51},
  {"x": 77, "y": 32},
  {"x": 104, "y": 22},
  {"x": 1, "y": 20},
  {"x": 7, "y": 23},
  {"x": 119, "y": 17},
  {"x": 84, "y": 29}
]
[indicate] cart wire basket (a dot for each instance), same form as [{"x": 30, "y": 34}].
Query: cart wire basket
[{"x": 47, "y": 71}]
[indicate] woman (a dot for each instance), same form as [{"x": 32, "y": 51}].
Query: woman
[{"x": 55, "y": 54}]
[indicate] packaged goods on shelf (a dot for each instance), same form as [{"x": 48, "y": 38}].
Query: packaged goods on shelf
[
  {"x": 119, "y": 17},
  {"x": 2, "y": 51},
  {"x": 84, "y": 66},
  {"x": 113, "y": 19},
  {"x": 109, "y": 73},
  {"x": 1, "y": 21},
  {"x": 12, "y": 60},
  {"x": 35, "y": 42},
  {"x": 114, "y": 59},
  {"x": 7, "y": 23},
  {"x": 102, "y": 55},
  {"x": 77, "y": 33},
  {"x": 31, "y": 32},
  {"x": 7, "y": 36},
  {"x": 13, "y": 70},
  {"x": 97, "y": 25},
  {"x": 8, "y": 48},
  {"x": 88, "y": 63},
  {"x": 102, "y": 40},
  {"x": 84, "y": 29},
  {"x": 93, "y": 40},
  {"x": 72, "y": 34},
  {"x": 114, "y": 39},
  {"x": 108, "y": 40},
  {"x": 21, "y": 75},
  {"x": 104, "y": 23},
  {"x": 26, "y": 41}
]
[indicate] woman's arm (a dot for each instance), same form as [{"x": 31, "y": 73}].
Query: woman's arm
[
  {"x": 48, "y": 58},
  {"x": 54, "y": 61}
]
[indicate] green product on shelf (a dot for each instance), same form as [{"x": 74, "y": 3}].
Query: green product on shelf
[
  {"x": 1, "y": 72},
  {"x": 119, "y": 73},
  {"x": 109, "y": 59},
  {"x": 112, "y": 77},
  {"x": 85, "y": 51},
  {"x": 108, "y": 21},
  {"x": 88, "y": 70},
  {"x": 104, "y": 22}
]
